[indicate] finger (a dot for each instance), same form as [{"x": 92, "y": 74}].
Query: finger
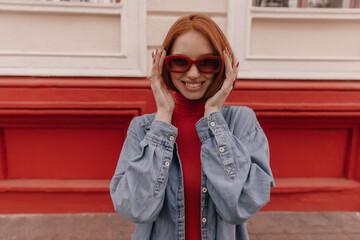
[
  {"x": 234, "y": 72},
  {"x": 155, "y": 68},
  {"x": 231, "y": 65},
  {"x": 228, "y": 65},
  {"x": 236, "y": 62},
  {"x": 157, "y": 80},
  {"x": 231, "y": 56},
  {"x": 236, "y": 66},
  {"x": 156, "y": 55},
  {"x": 153, "y": 58},
  {"x": 153, "y": 55},
  {"x": 162, "y": 58},
  {"x": 159, "y": 61}
]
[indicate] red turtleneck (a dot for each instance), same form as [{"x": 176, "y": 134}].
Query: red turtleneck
[{"x": 186, "y": 114}]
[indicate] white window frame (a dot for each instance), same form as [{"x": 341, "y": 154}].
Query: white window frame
[
  {"x": 130, "y": 61},
  {"x": 240, "y": 16}
]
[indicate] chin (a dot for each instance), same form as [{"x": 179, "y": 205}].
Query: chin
[{"x": 193, "y": 96}]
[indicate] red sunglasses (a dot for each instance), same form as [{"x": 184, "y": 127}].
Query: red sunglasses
[{"x": 181, "y": 64}]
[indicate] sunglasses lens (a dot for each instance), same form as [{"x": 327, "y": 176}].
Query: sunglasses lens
[
  {"x": 209, "y": 65},
  {"x": 178, "y": 64}
]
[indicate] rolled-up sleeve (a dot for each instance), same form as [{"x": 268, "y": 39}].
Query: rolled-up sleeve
[
  {"x": 236, "y": 164},
  {"x": 138, "y": 186}
]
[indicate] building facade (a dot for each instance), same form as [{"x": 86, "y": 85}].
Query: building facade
[{"x": 74, "y": 74}]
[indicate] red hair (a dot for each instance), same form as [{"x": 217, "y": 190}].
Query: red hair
[{"x": 207, "y": 27}]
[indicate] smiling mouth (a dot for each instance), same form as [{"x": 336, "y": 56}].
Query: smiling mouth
[{"x": 193, "y": 85}]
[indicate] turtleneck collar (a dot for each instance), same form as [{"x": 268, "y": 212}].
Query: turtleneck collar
[{"x": 184, "y": 106}]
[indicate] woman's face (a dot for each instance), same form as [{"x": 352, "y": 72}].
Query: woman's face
[{"x": 192, "y": 84}]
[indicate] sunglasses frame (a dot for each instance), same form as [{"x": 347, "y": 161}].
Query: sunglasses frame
[{"x": 192, "y": 62}]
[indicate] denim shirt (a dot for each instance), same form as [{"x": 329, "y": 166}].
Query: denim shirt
[{"x": 147, "y": 187}]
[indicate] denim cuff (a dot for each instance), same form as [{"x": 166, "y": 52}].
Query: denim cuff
[
  {"x": 208, "y": 126},
  {"x": 162, "y": 133}
]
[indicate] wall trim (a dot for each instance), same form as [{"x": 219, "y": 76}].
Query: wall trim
[
  {"x": 129, "y": 61},
  {"x": 240, "y": 22}
]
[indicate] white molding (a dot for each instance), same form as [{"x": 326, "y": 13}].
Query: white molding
[
  {"x": 130, "y": 61},
  {"x": 60, "y": 7},
  {"x": 62, "y": 54},
  {"x": 334, "y": 76},
  {"x": 73, "y": 72},
  {"x": 240, "y": 17},
  {"x": 306, "y": 13},
  {"x": 311, "y": 58}
]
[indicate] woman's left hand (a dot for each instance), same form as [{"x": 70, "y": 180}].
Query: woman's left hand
[{"x": 215, "y": 103}]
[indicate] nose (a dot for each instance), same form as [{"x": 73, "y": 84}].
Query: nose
[{"x": 193, "y": 72}]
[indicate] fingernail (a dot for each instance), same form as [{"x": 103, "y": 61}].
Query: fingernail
[{"x": 237, "y": 64}]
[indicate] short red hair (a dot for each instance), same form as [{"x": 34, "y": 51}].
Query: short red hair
[{"x": 207, "y": 27}]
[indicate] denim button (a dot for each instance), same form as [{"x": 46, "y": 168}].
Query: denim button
[
  {"x": 167, "y": 164},
  {"x": 221, "y": 149},
  {"x": 203, "y": 220},
  {"x": 212, "y": 124},
  {"x": 204, "y": 190},
  {"x": 171, "y": 138}
]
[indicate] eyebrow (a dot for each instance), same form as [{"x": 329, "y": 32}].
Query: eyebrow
[{"x": 202, "y": 55}]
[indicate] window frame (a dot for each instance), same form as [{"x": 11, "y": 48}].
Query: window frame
[
  {"x": 240, "y": 17},
  {"x": 129, "y": 61}
]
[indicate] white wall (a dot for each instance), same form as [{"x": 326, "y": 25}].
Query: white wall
[{"x": 68, "y": 39}]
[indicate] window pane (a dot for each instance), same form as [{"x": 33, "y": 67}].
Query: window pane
[
  {"x": 308, "y": 3},
  {"x": 275, "y": 3},
  {"x": 326, "y": 4},
  {"x": 79, "y": 1},
  {"x": 333, "y": 3}
]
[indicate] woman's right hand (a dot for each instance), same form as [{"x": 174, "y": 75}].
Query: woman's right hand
[{"x": 164, "y": 100}]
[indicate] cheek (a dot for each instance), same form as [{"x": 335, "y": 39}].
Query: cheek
[
  {"x": 175, "y": 77},
  {"x": 210, "y": 77}
]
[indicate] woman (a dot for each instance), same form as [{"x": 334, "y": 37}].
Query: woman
[{"x": 195, "y": 169}]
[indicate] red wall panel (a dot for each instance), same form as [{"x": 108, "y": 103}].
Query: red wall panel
[
  {"x": 55, "y": 202},
  {"x": 307, "y": 152},
  {"x": 60, "y": 139},
  {"x": 62, "y": 153}
]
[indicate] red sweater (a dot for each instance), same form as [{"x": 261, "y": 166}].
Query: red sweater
[{"x": 186, "y": 114}]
